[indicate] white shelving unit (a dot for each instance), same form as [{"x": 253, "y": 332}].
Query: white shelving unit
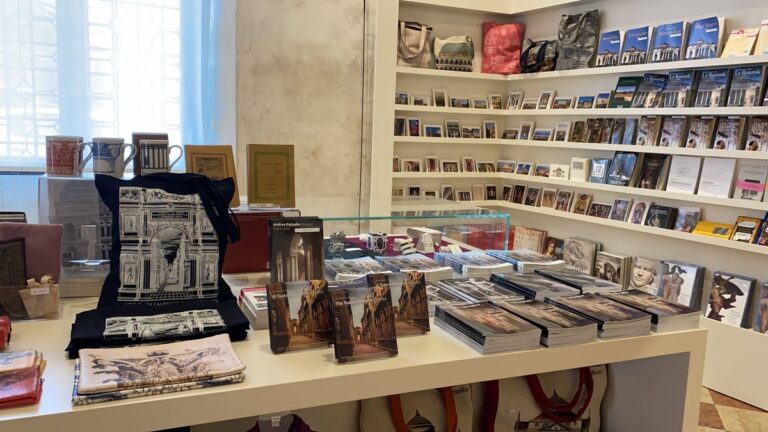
[{"x": 590, "y": 112}]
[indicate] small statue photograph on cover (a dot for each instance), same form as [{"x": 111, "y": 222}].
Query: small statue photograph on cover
[{"x": 299, "y": 315}]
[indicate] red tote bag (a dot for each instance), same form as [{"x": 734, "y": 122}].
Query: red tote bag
[{"x": 501, "y": 47}]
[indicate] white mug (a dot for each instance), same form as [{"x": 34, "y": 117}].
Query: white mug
[
  {"x": 155, "y": 155},
  {"x": 64, "y": 155},
  {"x": 109, "y": 156}
]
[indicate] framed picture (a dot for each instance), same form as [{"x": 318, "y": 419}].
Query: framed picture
[
  {"x": 213, "y": 161},
  {"x": 562, "y": 132},
  {"x": 494, "y": 100},
  {"x": 532, "y": 196},
  {"x": 542, "y": 134},
  {"x": 460, "y": 102},
  {"x": 452, "y": 129},
  {"x": 430, "y": 193},
  {"x": 530, "y": 103},
  {"x": 489, "y": 129},
  {"x": 420, "y": 100},
  {"x": 523, "y": 168},
  {"x": 490, "y": 192},
  {"x": 432, "y": 164},
  {"x": 411, "y": 165},
  {"x": 518, "y": 193},
  {"x": 548, "y": 197},
  {"x": 463, "y": 195},
  {"x": 526, "y": 130},
  {"x": 585, "y": 102},
  {"x": 402, "y": 98},
  {"x": 545, "y": 99},
  {"x": 486, "y": 167},
  {"x": 514, "y": 100},
  {"x": 446, "y": 192},
  {"x": 414, "y": 126},
  {"x": 479, "y": 103},
  {"x": 433, "y": 131},
  {"x": 440, "y": 97},
  {"x": 396, "y": 165},
  {"x": 562, "y": 103},
  {"x": 271, "y": 178},
  {"x": 449, "y": 166},
  {"x": 468, "y": 164},
  {"x": 398, "y": 192},
  {"x": 510, "y": 134},
  {"x": 414, "y": 190},
  {"x": 563, "y": 202}
]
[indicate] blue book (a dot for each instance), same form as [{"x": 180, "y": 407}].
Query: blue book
[
  {"x": 705, "y": 38},
  {"x": 635, "y": 46},
  {"x": 608, "y": 49},
  {"x": 668, "y": 42}
]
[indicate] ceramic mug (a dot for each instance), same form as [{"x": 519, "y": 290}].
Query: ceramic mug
[
  {"x": 109, "y": 156},
  {"x": 155, "y": 155},
  {"x": 64, "y": 155}
]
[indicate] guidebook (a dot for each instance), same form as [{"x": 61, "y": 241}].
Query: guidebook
[
  {"x": 474, "y": 263},
  {"x": 409, "y": 302},
  {"x": 340, "y": 269},
  {"x": 417, "y": 262},
  {"x": 705, "y": 38},
  {"x": 296, "y": 246},
  {"x": 635, "y": 46},
  {"x": 298, "y": 315},
  {"x": 476, "y": 290},
  {"x": 679, "y": 89},
  {"x": 668, "y": 41},
  {"x": 581, "y": 281},
  {"x": 608, "y": 49},
  {"x": 648, "y": 94}
]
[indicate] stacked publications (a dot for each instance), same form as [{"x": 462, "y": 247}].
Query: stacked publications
[
  {"x": 120, "y": 373},
  {"x": 253, "y": 303},
  {"x": 558, "y": 326},
  {"x": 476, "y": 290},
  {"x": 614, "y": 320},
  {"x": 433, "y": 272},
  {"x": 474, "y": 264},
  {"x": 487, "y": 328},
  {"x": 20, "y": 382},
  {"x": 534, "y": 286},
  {"x": 527, "y": 261},
  {"x": 346, "y": 269},
  {"x": 666, "y": 316},
  {"x": 585, "y": 283},
  {"x": 441, "y": 296}
]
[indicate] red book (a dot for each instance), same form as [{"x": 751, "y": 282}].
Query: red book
[{"x": 251, "y": 253}]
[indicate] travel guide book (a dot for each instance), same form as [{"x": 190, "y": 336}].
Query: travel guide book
[
  {"x": 705, "y": 38},
  {"x": 713, "y": 88},
  {"x": 635, "y": 47},
  {"x": 298, "y": 315},
  {"x": 677, "y": 93},
  {"x": 296, "y": 246},
  {"x": 746, "y": 86},
  {"x": 608, "y": 49},
  {"x": 648, "y": 94},
  {"x": 667, "y": 44},
  {"x": 625, "y": 92}
]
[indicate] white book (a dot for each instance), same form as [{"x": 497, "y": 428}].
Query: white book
[
  {"x": 761, "y": 46},
  {"x": 580, "y": 168},
  {"x": 717, "y": 177},
  {"x": 740, "y": 42},
  {"x": 684, "y": 174},
  {"x": 750, "y": 182}
]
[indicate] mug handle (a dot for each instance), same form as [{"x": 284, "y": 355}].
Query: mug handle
[
  {"x": 181, "y": 154},
  {"x": 131, "y": 156},
  {"x": 85, "y": 158}
]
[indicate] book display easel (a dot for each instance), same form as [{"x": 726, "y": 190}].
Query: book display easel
[{"x": 452, "y": 17}]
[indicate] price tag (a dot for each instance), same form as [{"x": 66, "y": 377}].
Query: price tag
[{"x": 44, "y": 290}]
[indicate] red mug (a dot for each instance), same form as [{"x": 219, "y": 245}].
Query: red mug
[{"x": 64, "y": 155}]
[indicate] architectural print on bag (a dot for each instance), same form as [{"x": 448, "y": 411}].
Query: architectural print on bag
[
  {"x": 170, "y": 250},
  {"x": 186, "y": 323}
]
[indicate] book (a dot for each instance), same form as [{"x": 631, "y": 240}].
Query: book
[
  {"x": 298, "y": 315},
  {"x": 681, "y": 283},
  {"x": 409, "y": 303},
  {"x": 364, "y": 321},
  {"x": 712, "y": 90},
  {"x": 667, "y": 42},
  {"x": 602, "y": 99},
  {"x": 740, "y": 42},
  {"x": 687, "y": 219},
  {"x": 648, "y": 131},
  {"x": 473, "y": 263},
  {"x": 660, "y": 216},
  {"x": 729, "y": 299},
  {"x": 716, "y": 177},
  {"x": 560, "y": 171},
  {"x": 729, "y": 134},
  {"x": 639, "y": 212},
  {"x": 581, "y": 203},
  {"x": 578, "y": 130},
  {"x": 340, "y": 269},
  {"x": 705, "y": 38},
  {"x": 761, "y": 315},
  {"x": 253, "y": 303},
  {"x": 296, "y": 246},
  {"x": 599, "y": 171},
  {"x": 579, "y": 254},
  {"x": 613, "y": 268},
  {"x": 608, "y": 49},
  {"x": 746, "y": 87},
  {"x": 635, "y": 46},
  {"x": 625, "y": 92},
  {"x": 746, "y": 229},
  {"x": 554, "y": 248},
  {"x": 643, "y": 276},
  {"x": 440, "y": 296},
  {"x": 585, "y": 283},
  {"x": 621, "y": 209},
  {"x": 762, "y": 238},
  {"x": 622, "y": 171},
  {"x": 527, "y": 261},
  {"x": 666, "y": 316},
  {"x": 580, "y": 169},
  {"x": 751, "y": 180},
  {"x": 761, "y": 45},
  {"x": 648, "y": 94},
  {"x": 630, "y": 132},
  {"x": 593, "y": 131},
  {"x": 679, "y": 89},
  {"x": 714, "y": 229},
  {"x": 606, "y": 128},
  {"x": 652, "y": 171},
  {"x": 558, "y": 326},
  {"x": 416, "y": 263},
  {"x": 534, "y": 286},
  {"x": 601, "y": 210},
  {"x": 673, "y": 131},
  {"x": 613, "y": 319},
  {"x": 617, "y": 133},
  {"x": 529, "y": 238},
  {"x": 700, "y": 132},
  {"x": 562, "y": 131},
  {"x": 757, "y": 134},
  {"x": 585, "y": 102}
]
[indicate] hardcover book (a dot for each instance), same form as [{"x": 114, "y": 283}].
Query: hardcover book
[
  {"x": 579, "y": 254},
  {"x": 757, "y": 134},
  {"x": 683, "y": 174},
  {"x": 296, "y": 246},
  {"x": 648, "y": 94},
  {"x": 599, "y": 171},
  {"x": 713, "y": 88},
  {"x": 299, "y": 315},
  {"x": 750, "y": 181},
  {"x": 687, "y": 219},
  {"x": 679, "y": 88},
  {"x": 625, "y": 92},
  {"x": 730, "y": 299},
  {"x": 635, "y": 47},
  {"x": 648, "y": 131},
  {"x": 643, "y": 276},
  {"x": 746, "y": 86},
  {"x": 730, "y": 133},
  {"x": 700, "y": 132},
  {"x": 364, "y": 319},
  {"x": 653, "y": 171},
  {"x": 623, "y": 168},
  {"x": 667, "y": 42},
  {"x": 608, "y": 49},
  {"x": 740, "y": 42},
  {"x": 717, "y": 177},
  {"x": 681, "y": 283},
  {"x": 672, "y": 131},
  {"x": 705, "y": 38},
  {"x": 660, "y": 216}
]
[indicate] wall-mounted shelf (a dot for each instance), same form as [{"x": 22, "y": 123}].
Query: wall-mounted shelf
[{"x": 591, "y": 112}]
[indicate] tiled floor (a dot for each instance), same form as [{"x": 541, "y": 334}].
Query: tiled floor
[{"x": 719, "y": 413}]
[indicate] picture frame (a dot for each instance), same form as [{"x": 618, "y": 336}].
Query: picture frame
[
  {"x": 414, "y": 190},
  {"x": 489, "y": 129},
  {"x": 523, "y": 168},
  {"x": 468, "y": 164},
  {"x": 413, "y": 126},
  {"x": 542, "y": 134},
  {"x": 585, "y": 102},
  {"x": 545, "y": 99},
  {"x": 397, "y": 165},
  {"x": 447, "y": 192},
  {"x": 510, "y": 134},
  {"x": 450, "y": 166},
  {"x": 495, "y": 101},
  {"x": 514, "y": 100},
  {"x": 490, "y": 192},
  {"x": 420, "y": 100},
  {"x": 562, "y": 103},
  {"x": 214, "y": 161},
  {"x": 433, "y": 131},
  {"x": 452, "y": 129},
  {"x": 398, "y": 192},
  {"x": 563, "y": 201},
  {"x": 460, "y": 102},
  {"x": 402, "y": 98},
  {"x": 400, "y": 129},
  {"x": 526, "y": 130},
  {"x": 548, "y": 197},
  {"x": 562, "y": 132},
  {"x": 485, "y": 167},
  {"x": 518, "y": 193},
  {"x": 530, "y": 104},
  {"x": 431, "y": 164},
  {"x": 479, "y": 103},
  {"x": 440, "y": 97},
  {"x": 411, "y": 165},
  {"x": 532, "y": 195},
  {"x": 463, "y": 195}
]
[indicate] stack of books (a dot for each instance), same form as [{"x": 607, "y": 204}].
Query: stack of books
[
  {"x": 613, "y": 268},
  {"x": 476, "y": 290},
  {"x": 558, "y": 326},
  {"x": 534, "y": 286},
  {"x": 583, "y": 282},
  {"x": 345, "y": 269},
  {"x": 527, "y": 261},
  {"x": 253, "y": 303},
  {"x": 433, "y": 271},
  {"x": 614, "y": 320},
  {"x": 666, "y": 316},
  {"x": 441, "y": 296},
  {"x": 474, "y": 264},
  {"x": 488, "y": 328}
]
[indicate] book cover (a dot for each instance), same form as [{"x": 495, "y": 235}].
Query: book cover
[
  {"x": 545, "y": 315},
  {"x": 606, "y": 129},
  {"x": 579, "y": 254},
  {"x": 608, "y": 49},
  {"x": 652, "y": 171},
  {"x": 746, "y": 86},
  {"x": 667, "y": 42},
  {"x": 554, "y": 247},
  {"x": 617, "y": 133},
  {"x": 643, "y": 275},
  {"x": 582, "y": 281},
  {"x": 485, "y": 319},
  {"x": 680, "y": 282},
  {"x": 581, "y": 203},
  {"x": 761, "y": 45},
  {"x": 639, "y": 211},
  {"x": 648, "y": 94},
  {"x": 621, "y": 209},
  {"x": 296, "y": 246},
  {"x": 410, "y": 263},
  {"x": 750, "y": 181},
  {"x": 678, "y": 91},
  {"x": 729, "y": 299},
  {"x": 700, "y": 132},
  {"x": 580, "y": 169},
  {"x": 660, "y": 216},
  {"x": 409, "y": 298},
  {"x": 364, "y": 321},
  {"x": 648, "y": 131},
  {"x": 625, "y": 92},
  {"x": 593, "y": 131},
  {"x": 635, "y": 46},
  {"x": 672, "y": 131},
  {"x": 602, "y": 99},
  {"x": 652, "y": 304},
  {"x": 717, "y": 177},
  {"x": 622, "y": 169},
  {"x": 585, "y": 101},
  {"x": 713, "y": 88},
  {"x": 757, "y": 134},
  {"x": 560, "y": 171},
  {"x": 729, "y": 133},
  {"x": 601, "y": 210},
  {"x": 599, "y": 171},
  {"x": 687, "y": 219},
  {"x": 578, "y": 130},
  {"x": 609, "y": 267},
  {"x": 761, "y": 315},
  {"x": 299, "y": 315},
  {"x": 704, "y": 39},
  {"x": 600, "y": 308},
  {"x": 746, "y": 229},
  {"x": 352, "y": 268},
  {"x": 532, "y": 285},
  {"x": 714, "y": 229},
  {"x": 630, "y": 132},
  {"x": 740, "y": 42}
]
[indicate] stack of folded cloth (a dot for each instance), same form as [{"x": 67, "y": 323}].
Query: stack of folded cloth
[
  {"x": 20, "y": 378},
  {"x": 109, "y": 374}
]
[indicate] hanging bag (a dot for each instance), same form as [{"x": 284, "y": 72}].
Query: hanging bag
[
  {"x": 414, "y": 45},
  {"x": 577, "y": 40},
  {"x": 455, "y": 53},
  {"x": 446, "y": 409},
  {"x": 539, "y": 56},
  {"x": 502, "y": 44}
]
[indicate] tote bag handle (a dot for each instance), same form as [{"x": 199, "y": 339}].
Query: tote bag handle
[{"x": 452, "y": 420}]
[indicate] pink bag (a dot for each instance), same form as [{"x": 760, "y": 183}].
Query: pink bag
[
  {"x": 42, "y": 247},
  {"x": 501, "y": 47}
]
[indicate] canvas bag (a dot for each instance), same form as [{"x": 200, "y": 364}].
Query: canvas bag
[
  {"x": 445, "y": 409},
  {"x": 502, "y": 45},
  {"x": 539, "y": 56},
  {"x": 168, "y": 244},
  {"x": 454, "y": 53},
  {"x": 414, "y": 45},
  {"x": 570, "y": 398},
  {"x": 577, "y": 40}
]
